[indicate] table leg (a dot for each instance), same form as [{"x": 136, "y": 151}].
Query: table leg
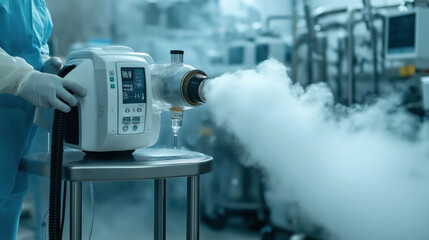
[
  {"x": 160, "y": 206},
  {"x": 75, "y": 210},
  {"x": 193, "y": 215}
]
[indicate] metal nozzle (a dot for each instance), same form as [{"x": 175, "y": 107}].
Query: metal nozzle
[
  {"x": 201, "y": 91},
  {"x": 176, "y": 56},
  {"x": 192, "y": 88},
  {"x": 177, "y": 84}
]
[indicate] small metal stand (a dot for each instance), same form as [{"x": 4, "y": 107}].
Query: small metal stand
[{"x": 157, "y": 164}]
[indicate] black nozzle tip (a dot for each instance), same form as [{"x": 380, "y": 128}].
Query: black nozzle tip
[
  {"x": 192, "y": 89},
  {"x": 177, "y": 52}
]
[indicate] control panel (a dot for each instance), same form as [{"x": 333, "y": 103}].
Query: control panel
[{"x": 131, "y": 87}]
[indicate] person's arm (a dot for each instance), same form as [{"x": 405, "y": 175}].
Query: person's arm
[
  {"x": 43, "y": 90},
  {"x": 13, "y": 72}
]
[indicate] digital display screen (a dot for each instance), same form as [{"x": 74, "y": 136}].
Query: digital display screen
[
  {"x": 402, "y": 34},
  {"x": 133, "y": 85}
]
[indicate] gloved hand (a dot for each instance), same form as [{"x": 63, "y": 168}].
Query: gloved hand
[
  {"x": 48, "y": 90},
  {"x": 52, "y": 65}
]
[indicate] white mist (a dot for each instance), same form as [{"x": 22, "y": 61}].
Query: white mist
[{"x": 362, "y": 173}]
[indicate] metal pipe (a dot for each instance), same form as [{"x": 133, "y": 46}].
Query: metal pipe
[
  {"x": 322, "y": 12},
  {"x": 193, "y": 211},
  {"x": 351, "y": 57},
  {"x": 75, "y": 210},
  {"x": 367, "y": 14},
  {"x": 340, "y": 54},
  {"x": 277, "y": 17},
  {"x": 160, "y": 209},
  {"x": 331, "y": 26},
  {"x": 369, "y": 20},
  {"x": 298, "y": 42},
  {"x": 323, "y": 61},
  {"x": 311, "y": 41},
  {"x": 295, "y": 59},
  {"x": 383, "y": 38}
]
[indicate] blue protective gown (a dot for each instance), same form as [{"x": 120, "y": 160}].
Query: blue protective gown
[{"x": 25, "y": 26}]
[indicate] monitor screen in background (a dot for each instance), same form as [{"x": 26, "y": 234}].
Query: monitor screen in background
[{"x": 402, "y": 34}]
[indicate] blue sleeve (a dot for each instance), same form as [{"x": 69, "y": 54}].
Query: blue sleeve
[{"x": 4, "y": 4}]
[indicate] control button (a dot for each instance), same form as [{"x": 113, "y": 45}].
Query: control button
[
  {"x": 112, "y": 85},
  {"x": 125, "y": 128},
  {"x": 136, "y": 119},
  {"x": 127, "y": 110},
  {"x": 112, "y": 79},
  {"x": 134, "y": 128},
  {"x": 126, "y": 120},
  {"x": 139, "y": 109},
  {"x": 111, "y": 73}
]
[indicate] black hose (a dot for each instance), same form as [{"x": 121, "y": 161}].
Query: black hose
[
  {"x": 56, "y": 176},
  {"x": 57, "y": 149}
]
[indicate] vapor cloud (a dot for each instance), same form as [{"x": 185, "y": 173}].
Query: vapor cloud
[{"x": 362, "y": 173}]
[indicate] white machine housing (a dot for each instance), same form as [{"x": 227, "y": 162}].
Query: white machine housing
[
  {"x": 407, "y": 36},
  {"x": 119, "y": 98}
]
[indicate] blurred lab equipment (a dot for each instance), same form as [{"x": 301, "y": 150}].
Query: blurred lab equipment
[
  {"x": 350, "y": 61},
  {"x": 425, "y": 94},
  {"x": 233, "y": 191},
  {"x": 244, "y": 54}
]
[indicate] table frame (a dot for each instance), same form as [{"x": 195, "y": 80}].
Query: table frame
[{"x": 171, "y": 163}]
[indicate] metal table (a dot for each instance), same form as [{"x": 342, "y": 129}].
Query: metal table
[{"x": 157, "y": 164}]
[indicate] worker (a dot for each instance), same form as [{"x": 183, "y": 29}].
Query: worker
[{"x": 25, "y": 26}]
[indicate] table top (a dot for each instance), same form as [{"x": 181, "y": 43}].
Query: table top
[{"x": 145, "y": 163}]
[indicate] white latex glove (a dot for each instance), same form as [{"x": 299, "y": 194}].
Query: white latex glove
[
  {"x": 52, "y": 65},
  {"x": 48, "y": 90}
]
